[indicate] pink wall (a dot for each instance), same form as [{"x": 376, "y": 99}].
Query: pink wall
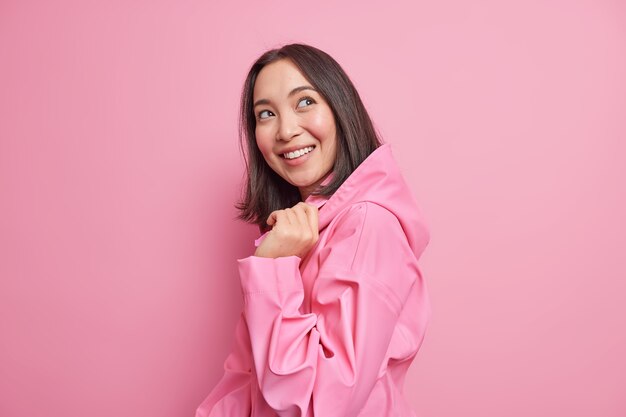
[{"x": 119, "y": 168}]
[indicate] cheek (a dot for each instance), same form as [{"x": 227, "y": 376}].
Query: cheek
[
  {"x": 322, "y": 125},
  {"x": 263, "y": 142}
]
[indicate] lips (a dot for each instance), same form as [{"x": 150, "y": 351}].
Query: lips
[{"x": 281, "y": 154}]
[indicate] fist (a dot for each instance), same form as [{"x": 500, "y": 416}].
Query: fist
[{"x": 294, "y": 232}]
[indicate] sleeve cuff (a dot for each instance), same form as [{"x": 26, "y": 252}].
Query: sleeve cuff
[{"x": 259, "y": 274}]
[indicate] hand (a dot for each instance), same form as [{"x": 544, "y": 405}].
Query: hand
[{"x": 294, "y": 232}]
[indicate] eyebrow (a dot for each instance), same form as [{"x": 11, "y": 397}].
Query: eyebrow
[{"x": 291, "y": 93}]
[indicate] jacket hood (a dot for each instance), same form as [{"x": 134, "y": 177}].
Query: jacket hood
[{"x": 378, "y": 179}]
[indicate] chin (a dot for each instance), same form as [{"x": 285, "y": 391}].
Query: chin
[{"x": 302, "y": 184}]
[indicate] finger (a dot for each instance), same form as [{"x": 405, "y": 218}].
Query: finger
[
  {"x": 309, "y": 212},
  {"x": 291, "y": 216},
  {"x": 271, "y": 219},
  {"x": 276, "y": 216},
  {"x": 313, "y": 217},
  {"x": 300, "y": 212}
]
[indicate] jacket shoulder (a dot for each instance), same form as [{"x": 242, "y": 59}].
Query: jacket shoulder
[
  {"x": 366, "y": 231},
  {"x": 369, "y": 247},
  {"x": 365, "y": 213}
]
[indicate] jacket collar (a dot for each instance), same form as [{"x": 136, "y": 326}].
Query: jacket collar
[{"x": 319, "y": 200}]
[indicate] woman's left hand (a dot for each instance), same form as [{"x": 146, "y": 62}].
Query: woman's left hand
[{"x": 294, "y": 232}]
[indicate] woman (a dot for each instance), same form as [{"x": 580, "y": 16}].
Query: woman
[{"x": 335, "y": 306}]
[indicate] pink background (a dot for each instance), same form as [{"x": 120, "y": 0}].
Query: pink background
[{"x": 119, "y": 168}]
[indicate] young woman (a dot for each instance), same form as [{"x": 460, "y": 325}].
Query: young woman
[{"x": 335, "y": 306}]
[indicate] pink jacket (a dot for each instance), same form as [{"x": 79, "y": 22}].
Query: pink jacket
[{"x": 334, "y": 333}]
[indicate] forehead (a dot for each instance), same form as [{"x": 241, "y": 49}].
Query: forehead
[{"x": 278, "y": 79}]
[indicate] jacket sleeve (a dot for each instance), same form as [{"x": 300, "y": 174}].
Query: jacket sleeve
[
  {"x": 232, "y": 394},
  {"x": 329, "y": 359}
]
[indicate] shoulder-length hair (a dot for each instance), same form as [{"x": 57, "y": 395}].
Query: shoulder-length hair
[{"x": 264, "y": 190}]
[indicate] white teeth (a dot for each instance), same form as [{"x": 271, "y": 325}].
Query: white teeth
[{"x": 298, "y": 153}]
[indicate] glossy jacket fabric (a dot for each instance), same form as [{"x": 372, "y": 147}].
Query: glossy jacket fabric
[{"x": 333, "y": 334}]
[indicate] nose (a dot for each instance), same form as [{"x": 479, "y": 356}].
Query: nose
[{"x": 288, "y": 127}]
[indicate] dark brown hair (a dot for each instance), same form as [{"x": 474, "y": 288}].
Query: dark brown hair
[{"x": 264, "y": 190}]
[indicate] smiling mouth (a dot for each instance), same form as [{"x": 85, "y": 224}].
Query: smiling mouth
[{"x": 296, "y": 157}]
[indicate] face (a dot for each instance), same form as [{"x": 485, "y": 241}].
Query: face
[{"x": 292, "y": 116}]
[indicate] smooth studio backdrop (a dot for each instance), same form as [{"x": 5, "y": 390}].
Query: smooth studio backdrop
[{"x": 119, "y": 168}]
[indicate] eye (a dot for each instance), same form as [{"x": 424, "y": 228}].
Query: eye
[
  {"x": 263, "y": 111},
  {"x": 306, "y": 99}
]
